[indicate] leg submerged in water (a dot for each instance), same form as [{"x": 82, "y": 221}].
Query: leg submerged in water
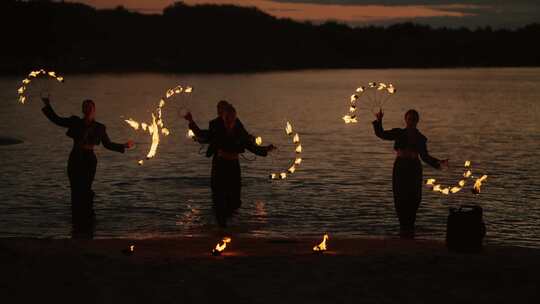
[{"x": 407, "y": 188}]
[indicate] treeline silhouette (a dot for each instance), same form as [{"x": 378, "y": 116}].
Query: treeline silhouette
[{"x": 224, "y": 38}]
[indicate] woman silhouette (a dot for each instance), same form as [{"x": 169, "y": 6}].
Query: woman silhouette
[
  {"x": 409, "y": 144},
  {"x": 86, "y": 133}
]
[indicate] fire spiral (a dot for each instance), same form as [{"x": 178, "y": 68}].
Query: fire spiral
[
  {"x": 298, "y": 151},
  {"x": 157, "y": 125},
  {"x": 33, "y": 75},
  {"x": 467, "y": 174},
  {"x": 375, "y": 95}
]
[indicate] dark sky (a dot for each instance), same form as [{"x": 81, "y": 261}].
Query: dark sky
[{"x": 470, "y": 13}]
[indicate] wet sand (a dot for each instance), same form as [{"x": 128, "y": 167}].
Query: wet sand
[{"x": 263, "y": 271}]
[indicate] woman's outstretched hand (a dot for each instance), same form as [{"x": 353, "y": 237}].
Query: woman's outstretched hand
[
  {"x": 379, "y": 115},
  {"x": 444, "y": 163},
  {"x": 46, "y": 100},
  {"x": 188, "y": 117},
  {"x": 129, "y": 144}
]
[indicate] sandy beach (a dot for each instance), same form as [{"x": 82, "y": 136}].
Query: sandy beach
[{"x": 376, "y": 270}]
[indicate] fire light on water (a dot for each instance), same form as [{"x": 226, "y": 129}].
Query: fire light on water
[
  {"x": 322, "y": 246},
  {"x": 35, "y": 74},
  {"x": 220, "y": 247},
  {"x": 298, "y": 150},
  {"x": 157, "y": 126}
]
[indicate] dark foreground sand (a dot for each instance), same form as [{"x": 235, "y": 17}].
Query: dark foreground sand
[{"x": 263, "y": 271}]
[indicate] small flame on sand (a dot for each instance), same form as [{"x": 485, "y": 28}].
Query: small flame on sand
[
  {"x": 322, "y": 246},
  {"x": 220, "y": 247}
]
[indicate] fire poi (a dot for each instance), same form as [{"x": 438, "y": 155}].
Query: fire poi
[
  {"x": 220, "y": 247},
  {"x": 33, "y": 75},
  {"x": 467, "y": 174},
  {"x": 157, "y": 125},
  {"x": 322, "y": 246},
  {"x": 298, "y": 151},
  {"x": 376, "y": 94}
]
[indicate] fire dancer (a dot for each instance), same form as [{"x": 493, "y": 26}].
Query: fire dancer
[
  {"x": 409, "y": 143},
  {"x": 86, "y": 133},
  {"x": 227, "y": 138}
]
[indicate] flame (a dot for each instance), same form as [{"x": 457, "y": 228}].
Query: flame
[
  {"x": 445, "y": 191},
  {"x": 190, "y": 134},
  {"x": 372, "y": 84},
  {"x": 360, "y": 89},
  {"x": 430, "y": 181},
  {"x": 461, "y": 183},
  {"x": 478, "y": 184},
  {"x": 455, "y": 189},
  {"x": 144, "y": 126},
  {"x": 283, "y": 175},
  {"x": 298, "y": 161},
  {"x": 161, "y": 102},
  {"x": 299, "y": 149},
  {"x": 165, "y": 131},
  {"x": 52, "y": 74},
  {"x": 391, "y": 89},
  {"x": 22, "y": 99},
  {"x": 296, "y": 138},
  {"x": 155, "y": 138},
  {"x": 292, "y": 169},
  {"x": 354, "y": 97},
  {"x": 437, "y": 188},
  {"x": 288, "y": 128},
  {"x": 467, "y": 174},
  {"x": 258, "y": 141},
  {"x": 132, "y": 248},
  {"x": 322, "y": 246},
  {"x": 141, "y": 162},
  {"x": 21, "y": 90},
  {"x": 273, "y": 176},
  {"x": 221, "y": 245},
  {"x": 188, "y": 90},
  {"x": 27, "y": 81},
  {"x": 467, "y": 164},
  {"x": 134, "y": 124},
  {"x": 381, "y": 86}
]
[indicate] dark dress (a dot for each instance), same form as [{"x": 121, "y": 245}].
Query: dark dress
[
  {"x": 407, "y": 173},
  {"x": 226, "y": 180},
  {"x": 82, "y": 165}
]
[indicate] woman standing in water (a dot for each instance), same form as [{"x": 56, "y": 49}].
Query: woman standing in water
[
  {"x": 86, "y": 133},
  {"x": 227, "y": 139},
  {"x": 407, "y": 179}
]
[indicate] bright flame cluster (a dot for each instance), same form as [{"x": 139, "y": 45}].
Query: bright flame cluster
[
  {"x": 157, "y": 125},
  {"x": 35, "y": 74},
  {"x": 298, "y": 150},
  {"x": 389, "y": 89},
  {"x": 322, "y": 246},
  {"x": 220, "y": 247},
  {"x": 467, "y": 174}
]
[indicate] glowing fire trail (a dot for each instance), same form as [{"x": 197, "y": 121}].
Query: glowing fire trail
[
  {"x": 375, "y": 100},
  {"x": 298, "y": 150},
  {"x": 35, "y": 74}
]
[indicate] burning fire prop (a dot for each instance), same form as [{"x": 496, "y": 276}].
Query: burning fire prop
[
  {"x": 298, "y": 151},
  {"x": 322, "y": 246},
  {"x": 157, "y": 125},
  {"x": 129, "y": 251},
  {"x": 33, "y": 75},
  {"x": 220, "y": 247},
  {"x": 467, "y": 174},
  {"x": 376, "y": 100}
]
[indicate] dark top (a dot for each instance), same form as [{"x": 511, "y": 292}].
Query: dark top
[
  {"x": 404, "y": 139},
  {"x": 82, "y": 134},
  {"x": 218, "y": 138}
]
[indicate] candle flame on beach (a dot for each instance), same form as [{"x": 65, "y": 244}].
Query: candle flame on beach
[
  {"x": 35, "y": 74},
  {"x": 220, "y": 247},
  {"x": 322, "y": 246}
]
